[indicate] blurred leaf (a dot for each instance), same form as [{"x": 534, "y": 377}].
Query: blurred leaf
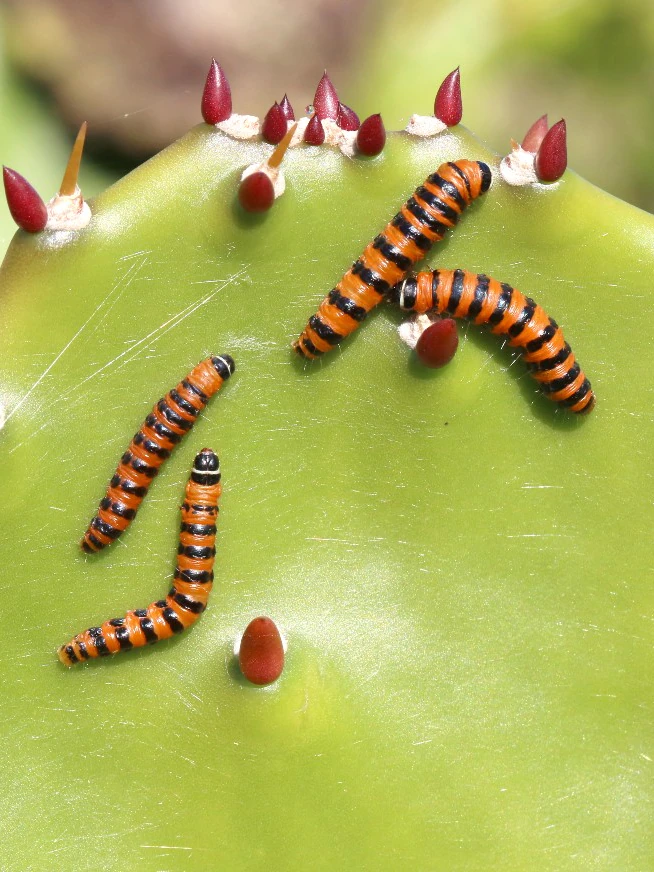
[{"x": 589, "y": 62}]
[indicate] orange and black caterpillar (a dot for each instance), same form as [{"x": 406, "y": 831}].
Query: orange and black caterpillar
[
  {"x": 434, "y": 207},
  {"x": 486, "y": 301},
  {"x": 188, "y": 596},
  {"x": 170, "y": 419}
]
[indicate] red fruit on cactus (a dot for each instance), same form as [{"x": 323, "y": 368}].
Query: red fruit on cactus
[
  {"x": 26, "y": 206},
  {"x": 314, "y": 133},
  {"x": 274, "y": 125},
  {"x": 325, "y": 101},
  {"x": 217, "y": 95},
  {"x": 535, "y": 135},
  {"x": 448, "y": 106},
  {"x": 371, "y": 137},
  {"x": 287, "y": 109},
  {"x": 438, "y": 343},
  {"x": 256, "y": 193},
  {"x": 552, "y": 157},
  {"x": 347, "y": 118},
  {"x": 261, "y": 655}
]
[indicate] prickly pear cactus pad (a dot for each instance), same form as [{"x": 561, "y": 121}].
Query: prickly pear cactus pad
[{"x": 460, "y": 568}]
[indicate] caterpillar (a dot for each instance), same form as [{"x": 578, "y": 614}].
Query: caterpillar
[
  {"x": 486, "y": 301},
  {"x": 192, "y": 584},
  {"x": 170, "y": 419},
  {"x": 434, "y": 207}
]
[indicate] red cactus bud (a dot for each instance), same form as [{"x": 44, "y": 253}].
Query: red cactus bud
[
  {"x": 217, "y": 95},
  {"x": 287, "y": 109},
  {"x": 27, "y": 208},
  {"x": 347, "y": 118},
  {"x": 552, "y": 157},
  {"x": 371, "y": 137},
  {"x": 438, "y": 343},
  {"x": 261, "y": 655},
  {"x": 448, "y": 106},
  {"x": 325, "y": 101},
  {"x": 274, "y": 125},
  {"x": 314, "y": 133},
  {"x": 256, "y": 193},
  {"x": 535, "y": 135}
]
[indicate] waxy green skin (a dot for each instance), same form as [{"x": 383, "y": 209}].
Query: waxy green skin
[{"x": 460, "y": 568}]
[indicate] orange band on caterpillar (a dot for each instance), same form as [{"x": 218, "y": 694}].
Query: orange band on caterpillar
[
  {"x": 187, "y": 598},
  {"x": 434, "y": 207},
  {"x": 168, "y": 422},
  {"x": 484, "y": 300}
]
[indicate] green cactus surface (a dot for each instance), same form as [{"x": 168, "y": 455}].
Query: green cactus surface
[{"x": 461, "y": 569}]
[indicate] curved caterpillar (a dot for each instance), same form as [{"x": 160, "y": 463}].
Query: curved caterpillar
[
  {"x": 188, "y": 596},
  {"x": 434, "y": 207},
  {"x": 170, "y": 419},
  {"x": 486, "y": 301}
]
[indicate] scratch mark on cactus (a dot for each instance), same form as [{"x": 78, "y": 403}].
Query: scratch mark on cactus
[
  {"x": 135, "y": 267},
  {"x": 485, "y": 363},
  {"x": 329, "y": 539},
  {"x": 541, "y": 486},
  {"x": 168, "y": 847},
  {"x": 536, "y": 535},
  {"x": 516, "y": 358},
  {"x": 123, "y": 284},
  {"x": 169, "y": 325},
  {"x": 159, "y": 331}
]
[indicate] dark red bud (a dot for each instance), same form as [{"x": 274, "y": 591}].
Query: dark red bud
[
  {"x": 438, "y": 343},
  {"x": 325, "y": 101},
  {"x": 347, "y": 118},
  {"x": 552, "y": 157},
  {"x": 217, "y": 95},
  {"x": 535, "y": 135},
  {"x": 448, "y": 106},
  {"x": 256, "y": 193},
  {"x": 287, "y": 109},
  {"x": 261, "y": 656},
  {"x": 371, "y": 137},
  {"x": 274, "y": 125},
  {"x": 314, "y": 133},
  {"x": 27, "y": 208}
]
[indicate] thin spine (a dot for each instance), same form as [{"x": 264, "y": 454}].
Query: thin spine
[
  {"x": 435, "y": 206},
  {"x": 169, "y": 421},
  {"x": 509, "y": 313},
  {"x": 277, "y": 156},
  {"x": 192, "y": 582},
  {"x": 69, "y": 185}
]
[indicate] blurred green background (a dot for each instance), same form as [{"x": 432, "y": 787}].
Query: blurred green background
[{"x": 137, "y": 76}]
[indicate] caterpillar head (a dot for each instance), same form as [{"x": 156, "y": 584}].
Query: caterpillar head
[{"x": 206, "y": 468}]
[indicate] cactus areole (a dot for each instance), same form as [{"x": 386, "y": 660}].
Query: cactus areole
[{"x": 466, "y": 631}]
